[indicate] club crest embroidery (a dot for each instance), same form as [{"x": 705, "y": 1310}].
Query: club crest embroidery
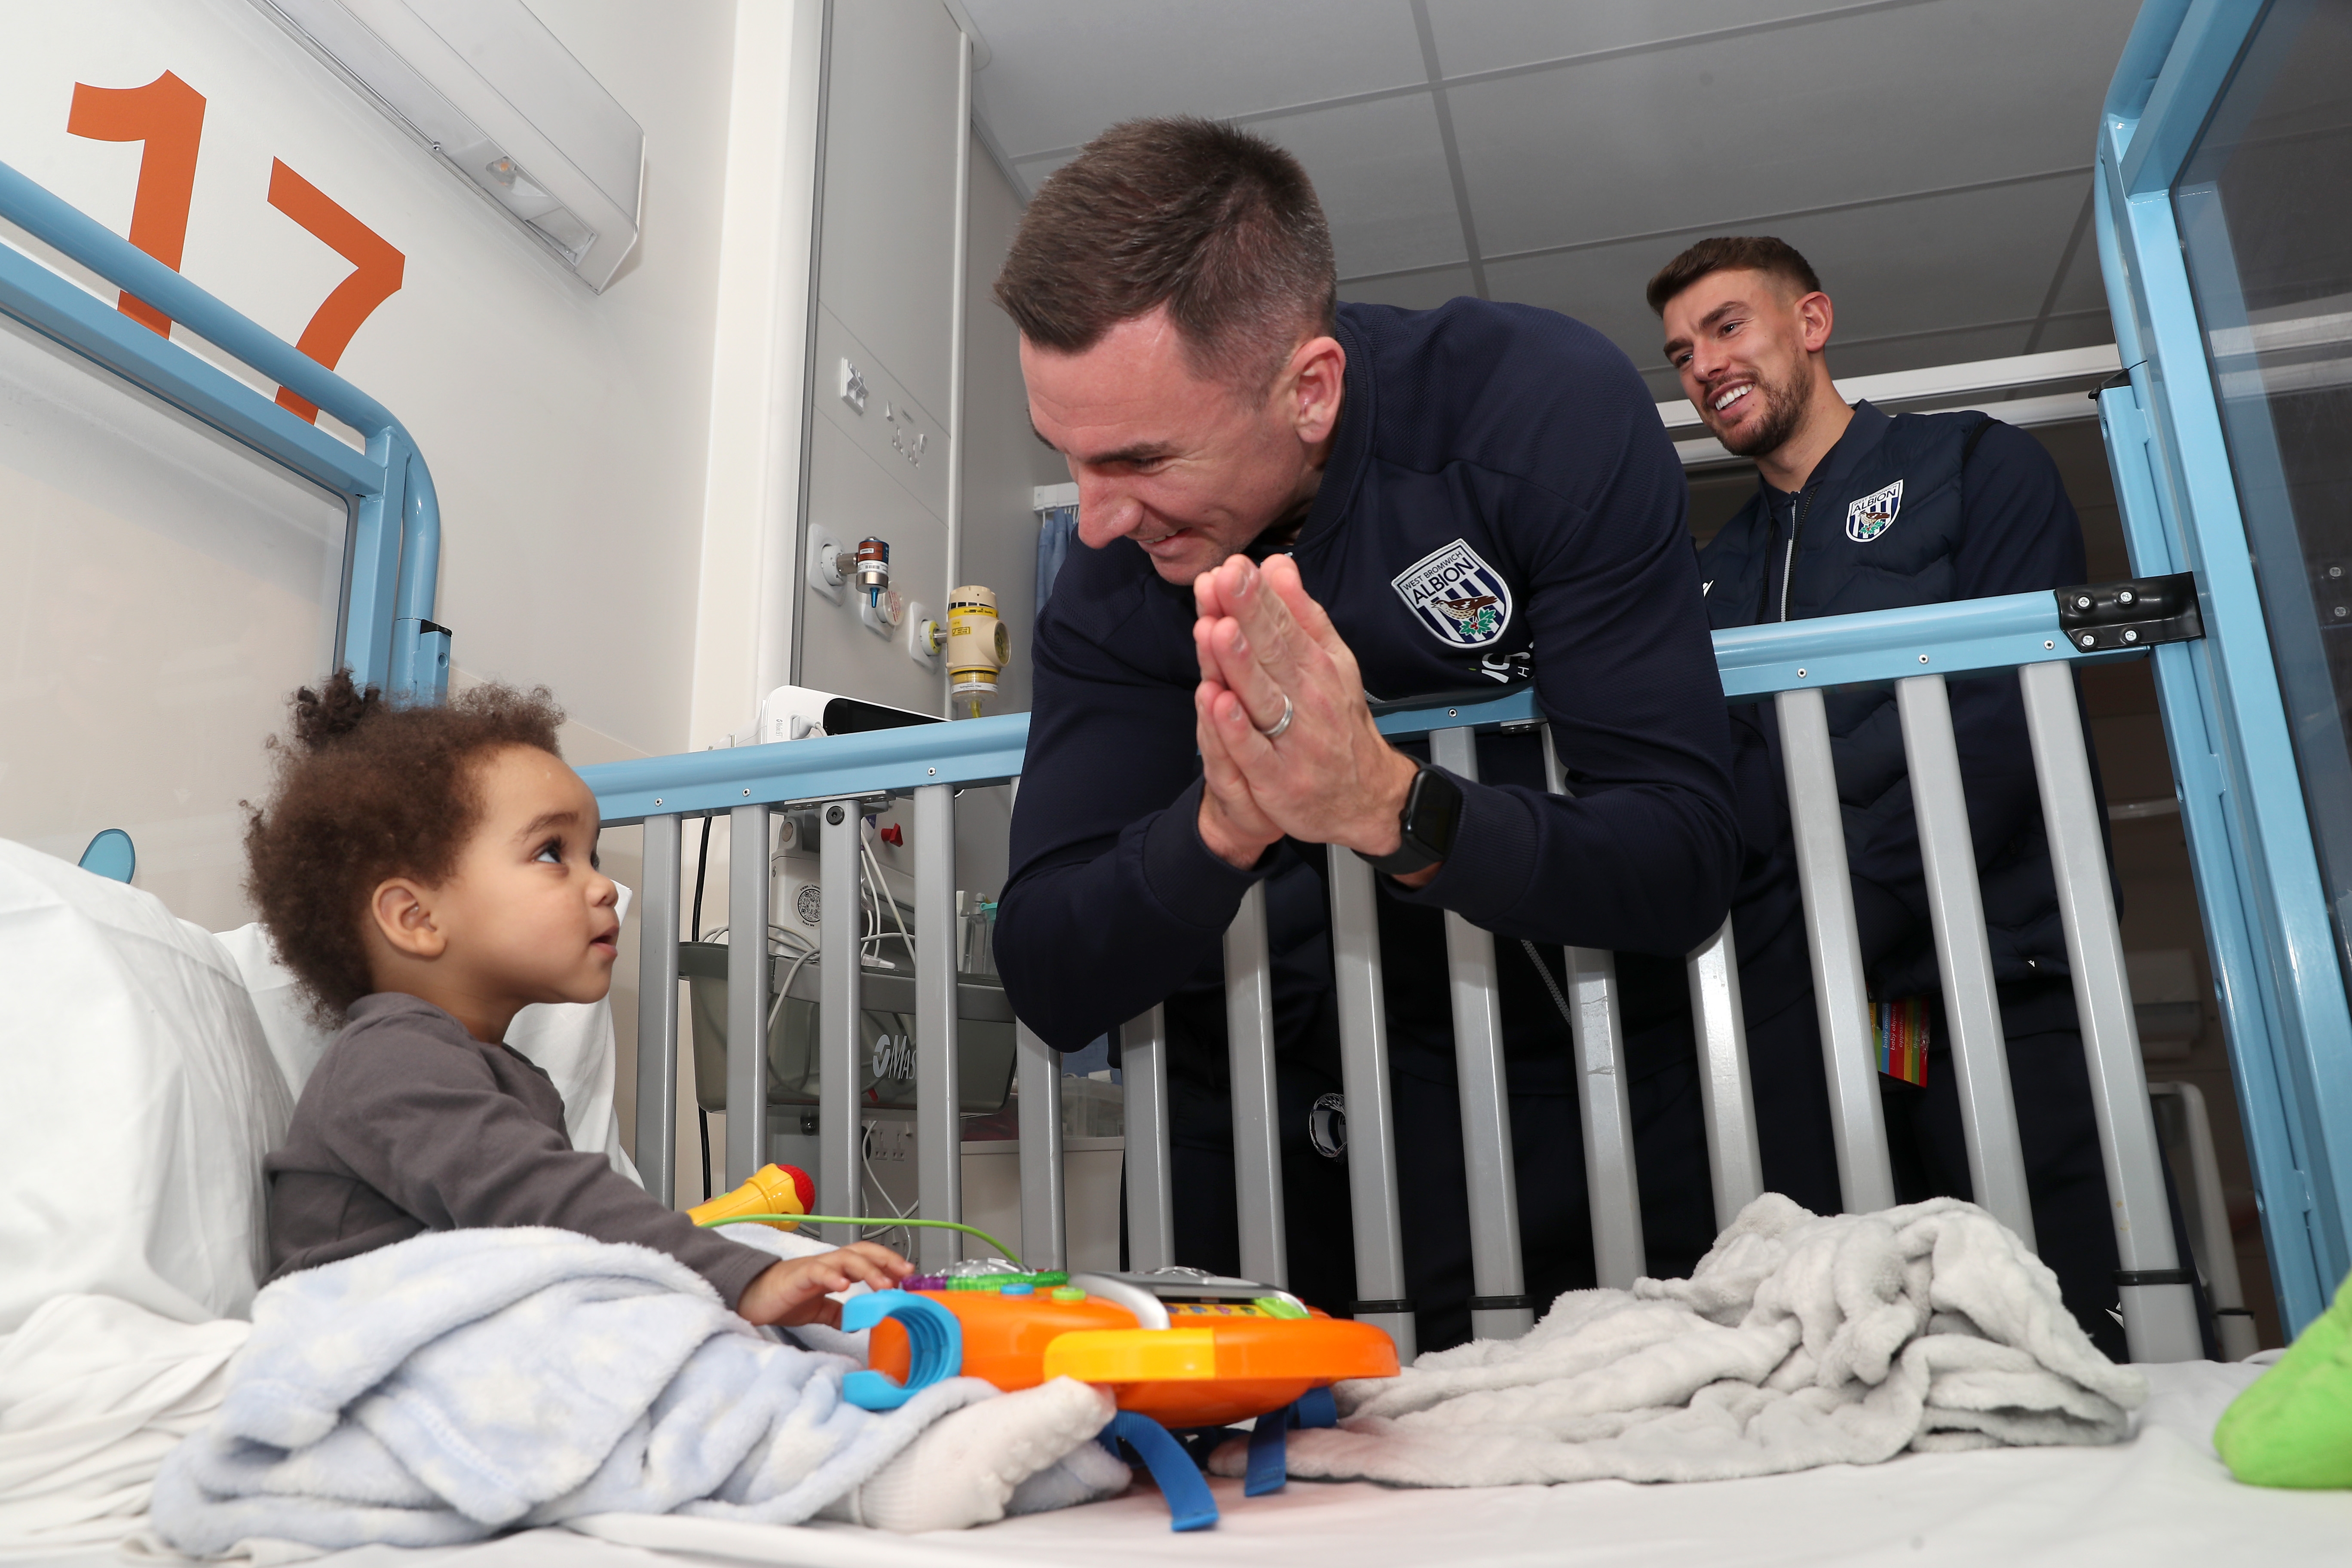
[
  {"x": 1874, "y": 515},
  {"x": 1458, "y": 596}
]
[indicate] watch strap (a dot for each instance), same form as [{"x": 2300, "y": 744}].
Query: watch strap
[{"x": 1414, "y": 849}]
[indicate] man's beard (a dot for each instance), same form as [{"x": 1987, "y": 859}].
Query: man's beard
[{"x": 1784, "y": 410}]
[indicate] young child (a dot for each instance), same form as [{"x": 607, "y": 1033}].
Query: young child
[{"x": 426, "y": 873}]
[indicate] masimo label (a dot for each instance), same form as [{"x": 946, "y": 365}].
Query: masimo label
[{"x": 1460, "y": 598}]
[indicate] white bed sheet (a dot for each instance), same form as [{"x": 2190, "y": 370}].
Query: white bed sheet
[{"x": 2161, "y": 1499}]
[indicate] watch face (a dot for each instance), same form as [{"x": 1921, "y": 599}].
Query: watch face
[{"x": 1433, "y": 813}]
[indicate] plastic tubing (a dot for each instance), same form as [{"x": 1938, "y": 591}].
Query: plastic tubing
[{"x": 798, "y": 1219}]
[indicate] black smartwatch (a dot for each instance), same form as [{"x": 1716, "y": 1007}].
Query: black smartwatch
[{"x": 1432, "y": 811}]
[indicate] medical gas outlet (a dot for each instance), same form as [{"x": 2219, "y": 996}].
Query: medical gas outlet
[{"x": 978, "y": 646}]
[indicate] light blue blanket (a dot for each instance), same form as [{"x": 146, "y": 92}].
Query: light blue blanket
[{"x": 467, "y": 1382}]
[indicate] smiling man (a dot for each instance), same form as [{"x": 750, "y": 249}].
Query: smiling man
[
  {"x": 1859, "y": 510},
  {"x": 1290, "y": 506}
]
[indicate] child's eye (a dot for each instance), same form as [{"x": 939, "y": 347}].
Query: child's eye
[{"x": 551, "y": 852}]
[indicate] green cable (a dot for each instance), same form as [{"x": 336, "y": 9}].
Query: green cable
[{"x": 1002, "y": 1251}]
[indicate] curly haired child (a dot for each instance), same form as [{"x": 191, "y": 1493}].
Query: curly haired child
[{"x": 426, "y": 873}]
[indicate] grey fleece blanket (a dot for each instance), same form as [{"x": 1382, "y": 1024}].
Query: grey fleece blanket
[{"x": 1798, "y": 1341}]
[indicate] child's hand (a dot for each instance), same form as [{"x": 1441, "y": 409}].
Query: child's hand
[{"x": 796, "y": 1290}]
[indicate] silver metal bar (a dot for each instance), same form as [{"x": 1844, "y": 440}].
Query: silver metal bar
[
  {"x": 1042, "y": 1240},
  {"x": 1865, "y": 1175},
  {"x": 2159, "y": 1320},
  {"x": 841, "y": 1130},
  {"x": 1258, "y": 1132},
  {"x": 2231, "y": 1324},
  {"x": 747, "y": 992},
  {"x": 1964, "y": 954},
  {"x": 656, "y": 1150},
  {"x": 1495, "y": 1270},
  {"x": 1151, "y": 1164},
  {"x": 1735, "y": 1159},
  {"x": 939, "y": 1118},
  {"x": 1364, "y": 1082},
  {"x": 1611, "y": 1182}
]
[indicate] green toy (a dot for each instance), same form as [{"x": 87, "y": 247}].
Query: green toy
[{"x": 2293, "y": 1428}]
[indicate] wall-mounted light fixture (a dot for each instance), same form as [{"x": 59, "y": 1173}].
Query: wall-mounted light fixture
[{"x": 488, "y": 88}]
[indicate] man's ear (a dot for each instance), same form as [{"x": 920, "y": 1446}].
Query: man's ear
[
  {"x": 402, "y": 913},
  {"x": 1815, "y": 318},
  {"x": 1314, "y": 379}
]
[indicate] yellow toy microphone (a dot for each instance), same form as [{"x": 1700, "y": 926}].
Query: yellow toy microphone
[{"x": 773, "y": 1191}]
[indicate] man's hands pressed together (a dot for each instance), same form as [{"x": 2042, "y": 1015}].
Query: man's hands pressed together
[{"x": 1330, "y": 777}]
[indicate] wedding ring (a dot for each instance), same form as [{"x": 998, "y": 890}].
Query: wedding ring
[{"x": 1283, "y": 723}]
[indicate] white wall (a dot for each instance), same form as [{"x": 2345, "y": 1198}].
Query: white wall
[
  {"x": 568, "y": 433},
  {"x": 614, "y": 470},
  {"x": 1003, "y": 460},
  {"x": 888, "y": 288}
]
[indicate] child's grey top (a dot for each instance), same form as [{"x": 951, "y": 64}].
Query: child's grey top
[{"x": 410, "y": 1124}]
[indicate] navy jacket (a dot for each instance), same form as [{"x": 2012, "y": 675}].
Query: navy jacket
[
  {"x": 1485, "y": 452},
  {"x": 1903, "y": 510}
]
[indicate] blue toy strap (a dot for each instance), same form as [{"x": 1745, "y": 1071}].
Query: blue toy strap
[
  {"x": 1269, "y": 1452},
  {"x": 934, "y": 1346},
  {"x": 1269, "y": 1448},
  {"x": 1190, "y": 1506}
]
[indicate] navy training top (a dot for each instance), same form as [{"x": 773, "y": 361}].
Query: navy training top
[
  {"x": 1904, "y": 510},
  {"x": 1500, "y": 503}
]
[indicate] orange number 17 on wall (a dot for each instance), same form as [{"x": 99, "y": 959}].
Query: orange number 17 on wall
[{"x": 168, "y": 116}]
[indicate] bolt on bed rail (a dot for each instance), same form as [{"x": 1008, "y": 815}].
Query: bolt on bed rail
[{"x": 1790, "y": 664}]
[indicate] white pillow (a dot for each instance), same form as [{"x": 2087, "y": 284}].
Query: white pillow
[
  {"x": 572, "y": 1042},
  {"x": 139, "y": 1098}
]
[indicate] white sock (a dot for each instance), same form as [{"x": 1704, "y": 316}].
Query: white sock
[
  {"x": 964, "y": 1470},
  {"x": 1087, "y": 1473}
]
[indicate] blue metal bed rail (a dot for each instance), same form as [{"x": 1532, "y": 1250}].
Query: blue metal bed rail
[
  {"x": 1915, "y": 650},
  {"x": 2250, "y": 713},
  {"x": 387, "y": 636}
]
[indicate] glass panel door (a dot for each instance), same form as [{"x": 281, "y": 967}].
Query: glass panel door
[
  {"x": 162, "y": 590},
  {"x": 2264, "y": 209}
]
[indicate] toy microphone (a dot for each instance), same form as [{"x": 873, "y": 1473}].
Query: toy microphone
[{"x": 773, "y": 1190}]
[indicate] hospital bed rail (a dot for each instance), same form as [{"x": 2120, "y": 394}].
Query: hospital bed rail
[
  {"x": 1790, "y": 665},
  {"x": 385, "y": 631}
]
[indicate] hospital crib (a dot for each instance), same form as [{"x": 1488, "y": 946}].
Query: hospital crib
[{"x": 2037, "y": 636}]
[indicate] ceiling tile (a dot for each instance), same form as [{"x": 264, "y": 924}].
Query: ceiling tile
[
  {"x": 1380, "y": 170},
  {"x": 1929, "y": 265},
  {"x": 2076, "y": 329},
  {"x": 1918, "y": 99},
  {"x": 1059, "y": 72},
  {"x": 1492, "y": 34}
]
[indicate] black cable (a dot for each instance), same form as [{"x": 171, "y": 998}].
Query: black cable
[
  {"x": 1558, "y": 1000},
  {"x": 701, "y": 864},
  {"x": 702, "y": 1117}
]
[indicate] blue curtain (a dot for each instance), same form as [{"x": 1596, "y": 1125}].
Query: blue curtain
[{"x": 1057, "y": 529}]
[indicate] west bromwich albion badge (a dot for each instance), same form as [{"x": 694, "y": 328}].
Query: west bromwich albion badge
[
  {"x": 1458, "y": 596},
  {"x": 1874, "y": 515}
]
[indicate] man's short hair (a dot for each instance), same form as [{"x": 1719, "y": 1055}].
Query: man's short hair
[
  {"x": 1220, "y": 226},
  {"x": 1732, "y": 253}
]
